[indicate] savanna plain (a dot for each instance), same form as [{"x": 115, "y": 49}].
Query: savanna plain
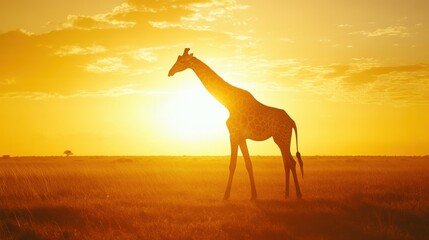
[{"x": 351, "y": 197}]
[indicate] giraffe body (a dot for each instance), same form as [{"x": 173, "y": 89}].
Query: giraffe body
[
  {"x": 259, "y": 122},
  {"x": 248, "y": 119}
]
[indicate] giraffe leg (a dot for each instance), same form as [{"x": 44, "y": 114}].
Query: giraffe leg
[
  {"x": 249, "y": 167},
  {"x": 289, "y": 165},
  {"x": 286, "y": 164},
  {"x": 295, "y": 178},
  {"x": 232, "y": 166}
]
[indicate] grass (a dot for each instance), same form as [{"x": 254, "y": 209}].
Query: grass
[{"x": 180, "y": 198}]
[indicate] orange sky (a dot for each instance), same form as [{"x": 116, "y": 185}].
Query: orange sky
[{"x": 91, "y": 76}]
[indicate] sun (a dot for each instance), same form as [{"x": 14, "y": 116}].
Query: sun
[{"x": 193, "y": 114}]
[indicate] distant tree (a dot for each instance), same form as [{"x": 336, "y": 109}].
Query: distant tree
[{"x": 68, "y": 153}]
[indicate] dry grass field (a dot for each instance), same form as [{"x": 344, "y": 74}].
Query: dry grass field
[{"x": 181, "y": 198}]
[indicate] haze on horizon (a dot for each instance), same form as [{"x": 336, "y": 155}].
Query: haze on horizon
[{"x": 92, "y": 76}]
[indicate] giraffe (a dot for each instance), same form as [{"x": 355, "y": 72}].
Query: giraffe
[{"x": 248, "y": 119}]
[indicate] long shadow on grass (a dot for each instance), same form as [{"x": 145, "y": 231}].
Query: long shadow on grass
[
  {"x": 13, "y": 222},
  {"x": 324, "y": 219}
]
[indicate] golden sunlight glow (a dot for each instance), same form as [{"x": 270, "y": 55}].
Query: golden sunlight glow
[
  {"x": 92, "y": 77},
  {"x": 193, "y": 114}
]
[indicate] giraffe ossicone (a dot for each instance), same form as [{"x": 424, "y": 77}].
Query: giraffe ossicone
[{"x": 248, "y": 119}]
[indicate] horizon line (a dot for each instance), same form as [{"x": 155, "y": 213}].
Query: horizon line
[{"x": 313, "y": 155}]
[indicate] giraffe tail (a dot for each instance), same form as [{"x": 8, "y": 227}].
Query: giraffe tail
[{"x": 298, "y": 155}]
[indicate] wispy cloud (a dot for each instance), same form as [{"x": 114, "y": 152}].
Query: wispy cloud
[
  {"x": 23, "y": 31},
  {"x": 212, "y": 10},
  {"x": 145, "y": 54},
  {"x": 103, "y": 20},
  {"x": 123, "y": 46},
  {"x": 80, "y": 50},
  {"x": 360, "y": 83},
  {"x": 166, "y": 24},
  {"x": 125, "y": 40},
  {"x": 286, "y": 40},
  {"x": 344, "y": 25},
  {"x": 203, "y": 16},
  {"x": 112, "y": 92},
  {"x": 124, "y": 8},
  {"x": 8, "y": 81},
  {"x": 106, "y": 65},
  {"x": 371, "y": 74},
  {"x": 118, "y": 92},
  {"x": 398, "y": 30},
  {"x": 95, "y": 22}
]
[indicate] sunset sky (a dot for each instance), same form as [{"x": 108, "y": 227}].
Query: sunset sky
[{"x": 91, "y": 76}]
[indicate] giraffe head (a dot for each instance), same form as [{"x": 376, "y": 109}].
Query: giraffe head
[{"x": 182, "y": 62}]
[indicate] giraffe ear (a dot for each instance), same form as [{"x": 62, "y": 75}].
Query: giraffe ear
[{"x": 192, "y": 54}]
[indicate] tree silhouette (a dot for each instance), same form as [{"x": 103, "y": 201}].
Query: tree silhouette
[{"x": 68, "y": 153}]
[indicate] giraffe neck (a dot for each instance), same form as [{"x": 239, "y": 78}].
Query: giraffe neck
[{"x": 222, "y": 91}]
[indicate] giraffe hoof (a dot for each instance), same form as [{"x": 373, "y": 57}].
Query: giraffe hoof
[{"x": 226, "y": 197}]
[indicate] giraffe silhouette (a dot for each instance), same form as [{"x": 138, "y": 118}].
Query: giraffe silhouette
[{"x": 248, "y": 119}]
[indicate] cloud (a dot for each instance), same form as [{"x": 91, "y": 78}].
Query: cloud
[
  {"x": 145, "y": 54},
  {"x": 123, "y": 9},
  {"x": 156, "y": 5},
  {"x": 121, "y": 46},
  {"x": 79, "y": 50},
  {"x": 118, "y": 91},
  {"x": 8, "y": 81},
  {"x": 203, "y": 15},
  {"x": 165, "y": 24},
  {"x": 371, "y": 74},
  {"x": 344, "y": 25},
  {"x": 401, "y": 85},
  {"x": 25, "y": 32},
  {"x": 286, "y": 40},
  {"x": 112, "y": 92},
  {"x": 30, "y": 95},
  {"x": 398, "y": 30},
  {"x": 106, "y": 65},
  {"x": 101, "y": 21},
  {"x": 212, "y": 10},
  {"x": 366, "y": 82},
  {"x": 338, "y": 70},
  {"x": 240, "y": 37}
]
